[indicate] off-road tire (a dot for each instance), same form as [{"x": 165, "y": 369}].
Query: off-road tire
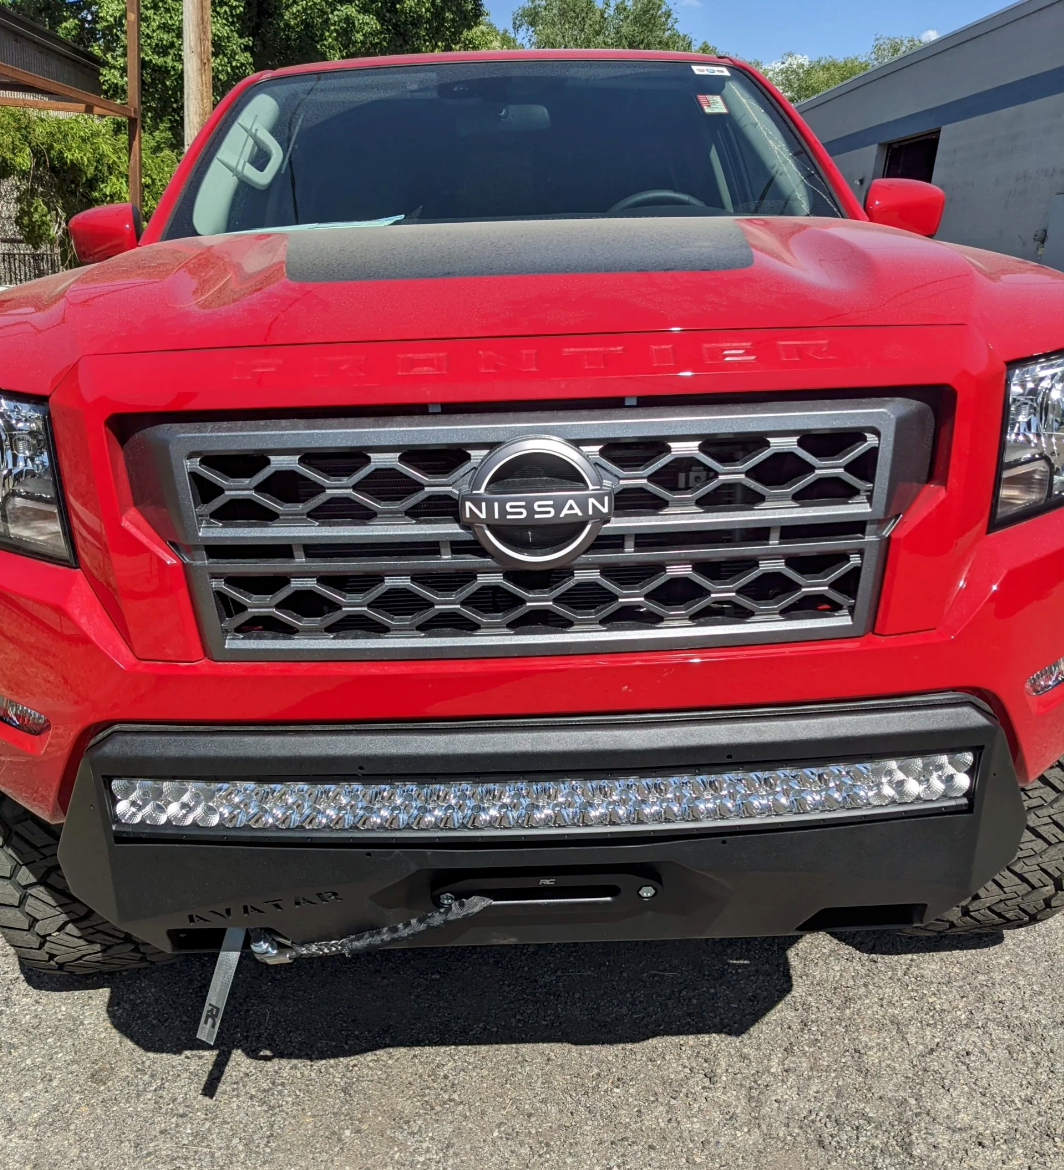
[
  {"x": 1029, "y": 889},
  {"x": 49, "y": 929}
]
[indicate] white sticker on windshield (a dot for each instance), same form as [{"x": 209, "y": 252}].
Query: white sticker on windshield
[
  {"x": 711, "y": 70},
  {"x": 712, "y": 103}
]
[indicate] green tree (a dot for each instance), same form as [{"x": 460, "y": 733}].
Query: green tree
[
  {"x": 799, "y": 77},
  {"x": 162, "y": 78},
  {"x": 589, "y": 24},
  {"x": 59, "y": 166},
  {"x": 485, "y": 36},
  {"x": 247, "y": 35},
  {"x": 886, "y": 48},
  {"x": 289, "y": 32}
]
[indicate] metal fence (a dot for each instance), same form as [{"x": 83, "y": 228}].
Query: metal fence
[{"x": 18, "y": 267}]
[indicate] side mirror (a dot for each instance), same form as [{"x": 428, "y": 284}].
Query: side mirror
[
  {"x": 908, "y": 204},
  {"x": 103, "y": 232}
]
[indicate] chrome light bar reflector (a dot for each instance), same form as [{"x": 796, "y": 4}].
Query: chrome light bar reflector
[{"x": 566, "y": 805}]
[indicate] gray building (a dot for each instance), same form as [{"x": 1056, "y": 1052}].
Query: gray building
[{"x": 979, "y": 112}]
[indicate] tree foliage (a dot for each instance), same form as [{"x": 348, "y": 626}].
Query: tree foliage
[
  {"x": 601, "y": 24},
  {"x": 485, "y": 35},
  {"x": 287, "y": 32},
  {"x": 59, "y": 166},
  {"x": 248, "y": 35},
  {"x": 799, "y": 77}
]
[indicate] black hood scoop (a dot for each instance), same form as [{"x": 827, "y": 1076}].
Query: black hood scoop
[{"x": 434, "y": 251}]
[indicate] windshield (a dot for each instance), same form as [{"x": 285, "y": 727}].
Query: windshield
[{"x": 499, "y": 140}]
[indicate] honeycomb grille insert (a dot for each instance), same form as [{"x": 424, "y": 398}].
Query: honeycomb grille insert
[
  {"x": 700, "y": 593},
  {"x": 319, "y": 489},
  {"x": 339, "y": 539}
]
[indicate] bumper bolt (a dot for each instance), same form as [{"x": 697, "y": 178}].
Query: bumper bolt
[
  {"x": 445, "y": 900},
  {"x": 647, "y": 891}
]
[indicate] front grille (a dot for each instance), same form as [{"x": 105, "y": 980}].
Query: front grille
[
  {"x": 607, "y": 597},
  {"x": 323, "y": 488},
  {"x": 341, "y": 538}
]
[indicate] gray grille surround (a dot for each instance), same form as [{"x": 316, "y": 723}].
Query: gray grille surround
[{"x": 734, "y": 524}]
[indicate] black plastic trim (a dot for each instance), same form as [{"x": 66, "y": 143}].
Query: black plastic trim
[{"x": 436, "y": 251}]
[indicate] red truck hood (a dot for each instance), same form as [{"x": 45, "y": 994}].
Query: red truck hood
[{"x": 236, "y": 291}]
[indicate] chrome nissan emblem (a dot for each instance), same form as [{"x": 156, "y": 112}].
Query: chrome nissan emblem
[{"x": 536, "y": 503}]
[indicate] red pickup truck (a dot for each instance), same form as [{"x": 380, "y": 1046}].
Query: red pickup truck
[{"x": 525, "y": 497}]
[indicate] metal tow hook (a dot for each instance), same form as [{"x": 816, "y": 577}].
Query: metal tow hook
[{"x": 270, "y": 948}]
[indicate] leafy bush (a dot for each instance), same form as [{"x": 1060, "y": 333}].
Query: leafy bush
[{"x": 58, "y": 166}]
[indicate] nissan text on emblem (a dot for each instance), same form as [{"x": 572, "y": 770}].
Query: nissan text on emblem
[{"x": 536, "y": 503}]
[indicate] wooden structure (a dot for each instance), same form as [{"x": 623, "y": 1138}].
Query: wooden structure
[
  {"x": 41, "y": 71},
  {"x": 196, "y": 43}
]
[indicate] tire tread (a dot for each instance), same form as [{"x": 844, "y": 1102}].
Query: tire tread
[
  {"x": 48, "y": 928},
  {"x": 1030, "y": 888}
]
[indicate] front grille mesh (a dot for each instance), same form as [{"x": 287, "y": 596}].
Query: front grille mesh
[
  {"x": 622, "y": 597},
  {"x": 326, "y": 488},
  {"x": 341, "y": 539}
]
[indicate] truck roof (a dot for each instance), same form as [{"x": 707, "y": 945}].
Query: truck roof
[{"x": 498, "y": 55}]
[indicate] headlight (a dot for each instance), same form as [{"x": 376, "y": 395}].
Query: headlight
[
  {"x": 31, "y": 513},
  {"x": 1031, "y": 477}
]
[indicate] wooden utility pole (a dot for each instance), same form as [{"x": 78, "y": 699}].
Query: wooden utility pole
[
  {"x": 197, "y": 51},
  {"x": 133, "y": 99}
]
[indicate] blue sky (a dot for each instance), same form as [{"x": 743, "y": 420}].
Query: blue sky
[{"x": 768, "y": 28}]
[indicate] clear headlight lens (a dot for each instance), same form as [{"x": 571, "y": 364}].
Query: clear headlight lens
[
  {"x": 1047, "y": 679},
  {"x": 31, "y": 519},
  {"x": 1032, "y": 460}
]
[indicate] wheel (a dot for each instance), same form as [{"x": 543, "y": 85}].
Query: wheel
[
  {"x": 1030, "y": 888},
  {"x": 49, "y": 929}
]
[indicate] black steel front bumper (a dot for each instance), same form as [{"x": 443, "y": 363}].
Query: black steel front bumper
[{"x": 744, "y": 878}]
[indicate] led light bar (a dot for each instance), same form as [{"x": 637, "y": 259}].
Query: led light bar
[
  {"x": 781, "y": 794},
  {"x": 1044, "y": 680}
]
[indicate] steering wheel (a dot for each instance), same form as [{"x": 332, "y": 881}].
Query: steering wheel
[{"x": 650, "y": 198}]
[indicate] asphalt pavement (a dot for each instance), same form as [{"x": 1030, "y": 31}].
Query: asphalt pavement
[{"x": 873, "y": 1051}]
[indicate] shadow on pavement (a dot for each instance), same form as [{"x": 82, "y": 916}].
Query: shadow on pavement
[
  {"x": 578, "y": 994},
  {"x": 886, "y": 942}
]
